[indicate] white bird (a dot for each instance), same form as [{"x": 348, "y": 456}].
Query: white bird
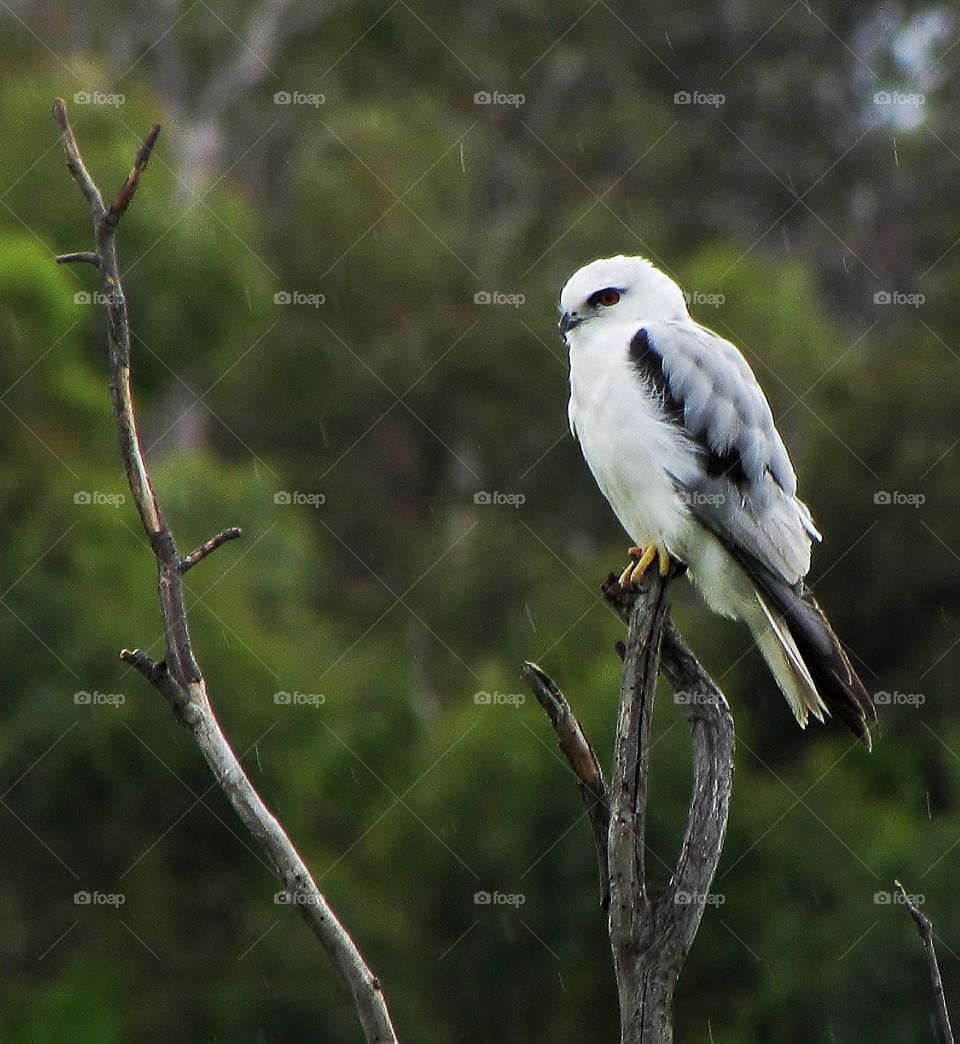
[{"x": 682, "y": 443}]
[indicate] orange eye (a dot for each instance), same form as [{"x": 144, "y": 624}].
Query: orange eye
[{"x": 608, "y": 297}]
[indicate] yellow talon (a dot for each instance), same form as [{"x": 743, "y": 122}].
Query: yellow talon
[
  {"x": 644, "y": 559},
  {"x": 664, "y": 556},
  {"x": 633, "y": 552}
]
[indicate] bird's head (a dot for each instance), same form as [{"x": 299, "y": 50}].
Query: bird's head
[{"x": 615, "y": 289}]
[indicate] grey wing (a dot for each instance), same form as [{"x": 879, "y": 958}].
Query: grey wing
[{"x": 744, "y": 487}]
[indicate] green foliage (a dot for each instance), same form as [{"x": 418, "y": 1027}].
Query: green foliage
[{"x": 349, "y": 638}]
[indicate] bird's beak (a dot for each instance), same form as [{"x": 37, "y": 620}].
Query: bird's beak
[{"x": 568, "y": 321}]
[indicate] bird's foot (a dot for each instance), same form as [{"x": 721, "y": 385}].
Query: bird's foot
[{"x": 640, "y": 561}]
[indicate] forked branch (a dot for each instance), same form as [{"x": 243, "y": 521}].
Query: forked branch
[{"x": 650, "y": 936}]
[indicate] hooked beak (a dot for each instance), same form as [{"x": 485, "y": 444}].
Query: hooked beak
[{"x": 569, "y": 320}]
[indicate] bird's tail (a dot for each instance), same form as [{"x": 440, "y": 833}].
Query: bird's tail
[{"x": 808, "y": 662}]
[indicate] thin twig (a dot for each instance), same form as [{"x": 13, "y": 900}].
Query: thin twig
[
  {"x": 125, "y": 196},
  {"x": 580, "y": 754},
  {"x": 178, "y": 675},
  {"x": 189, "y": 561},
  {"x": 79, "y": 256},
  {"x": 75, "y": 163},
  {"x": 925, "y": 929}
]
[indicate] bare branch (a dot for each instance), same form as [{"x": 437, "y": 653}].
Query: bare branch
[
  {"x": 650, "y": 936},
  {"x": 125, "y": 196},
  {"x": 79, "y": 256},
  {"x": 189, "y": 561},
  {"x": 711, "y": 724},
  {"x": 178, "y": 675},
  {"x": 673, "y": 918},
  {"x": 925, "y": 928},
  {"x": 583, "y": 760},
  {"x": 75, "y": 163},
  {"x": 155, "y": 671},
  {"x": 645, "y": 960}
]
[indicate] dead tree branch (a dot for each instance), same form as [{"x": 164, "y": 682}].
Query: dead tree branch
[
  {"x": 583, "y": 760},
  {"x": 650, "y": 936},
  {"x": 925, "y": 930},
  {"x": 178, "y": 675}
]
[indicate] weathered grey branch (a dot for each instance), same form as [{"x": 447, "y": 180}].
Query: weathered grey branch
[
  {"x": 178, "y": 675},
  {"x": 650, "y": 936},
  {"x": 711, "y": 724},
  {"x": 646, "y": 958},
  {"x": 925, "y": 929}
]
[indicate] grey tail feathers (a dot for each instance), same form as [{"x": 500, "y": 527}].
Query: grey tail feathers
[{"x": 806, "y": 656}]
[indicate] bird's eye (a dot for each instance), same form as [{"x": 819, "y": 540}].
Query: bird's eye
[{"x": 607, "y": 297}]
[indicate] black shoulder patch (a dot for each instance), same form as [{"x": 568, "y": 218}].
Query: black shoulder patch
[{"x": 649, "y": 365}]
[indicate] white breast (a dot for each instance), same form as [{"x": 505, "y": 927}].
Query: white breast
[{"x": 631, "y": 449}]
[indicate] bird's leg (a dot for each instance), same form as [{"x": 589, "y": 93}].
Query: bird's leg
[{"x": 640, "y": 561}]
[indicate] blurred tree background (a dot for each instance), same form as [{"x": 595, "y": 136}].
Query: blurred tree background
[{"x": 342, "y": 269}]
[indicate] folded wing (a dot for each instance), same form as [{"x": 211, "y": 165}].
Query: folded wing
[{"x": 744, "y": 492}]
